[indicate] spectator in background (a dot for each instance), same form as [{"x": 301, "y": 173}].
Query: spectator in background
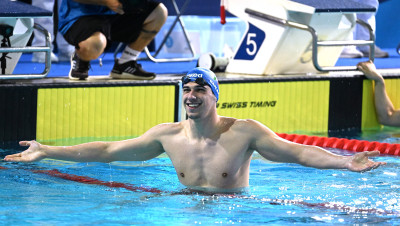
[
  {"x": 387, "y": 114},
  {"x": 361, "y": 33},
  {"x": 65, "y": 50},
  {"x": 91, "y": 25}
]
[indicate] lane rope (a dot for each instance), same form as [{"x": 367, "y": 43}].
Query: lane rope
[
  {"x": 89, "y": 180},
  {"x": 343, "y": 143}
]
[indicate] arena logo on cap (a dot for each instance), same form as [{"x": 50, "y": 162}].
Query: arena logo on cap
[{"x": 195, "y": 75}]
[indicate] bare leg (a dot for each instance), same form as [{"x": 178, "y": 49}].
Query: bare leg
[
  {"x": 151, "y": 27},
  {"x": 92, "y": 47}
]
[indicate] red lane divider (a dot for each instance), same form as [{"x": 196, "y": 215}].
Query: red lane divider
[
  {"x": 343, "y": 143},
  {"x": 333, "y": 206},
  {"x": 89, "y": 180},
  {"x": 324, "y": 205}
]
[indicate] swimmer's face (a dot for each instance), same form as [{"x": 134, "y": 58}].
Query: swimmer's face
[{"x": 198, "y": 100}]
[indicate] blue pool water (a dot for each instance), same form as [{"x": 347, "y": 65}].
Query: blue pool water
[{"x": 279, "y": 193}]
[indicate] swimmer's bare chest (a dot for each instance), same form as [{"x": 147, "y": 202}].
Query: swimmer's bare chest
[{"x": 214, "y": 164}]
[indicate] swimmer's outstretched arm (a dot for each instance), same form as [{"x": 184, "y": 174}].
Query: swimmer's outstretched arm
[
  {"x": 274, "y": 148},
  {"x": 138, "y": 149}
]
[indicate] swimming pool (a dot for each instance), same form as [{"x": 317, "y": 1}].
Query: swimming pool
[{"x": 150, "y": 193}]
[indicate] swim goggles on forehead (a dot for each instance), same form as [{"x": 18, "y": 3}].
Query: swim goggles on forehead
[{"x": 198, "y": 80}]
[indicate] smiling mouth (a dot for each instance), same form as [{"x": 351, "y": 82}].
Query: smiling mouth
[{"x": 193, "y": 105}]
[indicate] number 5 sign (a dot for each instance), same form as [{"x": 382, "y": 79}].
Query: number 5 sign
[{"x": 251, "y": 44}]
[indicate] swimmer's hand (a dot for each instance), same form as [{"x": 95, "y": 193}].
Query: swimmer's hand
[
  {"x": 369, "y": 69},
  {"x": 360, "y": 162},
  {"x": 32, "y": 154}
]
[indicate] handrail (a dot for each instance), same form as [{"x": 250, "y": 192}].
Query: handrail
[
  {"x": 46, "y": 49},
  {"x": 316, "y": 43}
]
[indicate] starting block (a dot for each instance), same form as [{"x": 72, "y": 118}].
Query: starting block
[
  {"x": 16, "y": 27},
  {"x": 292, "y": 37}
]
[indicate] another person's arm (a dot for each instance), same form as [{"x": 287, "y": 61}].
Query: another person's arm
[
  {"x": 138, "y": 149},
  {"x": 272, "y": 147},
  {"x": 387, "y": 114}
]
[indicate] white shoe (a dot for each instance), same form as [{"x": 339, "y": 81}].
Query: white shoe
[
  {"x": 351, "y": 52},
  {"x": 39, "y": 57}
]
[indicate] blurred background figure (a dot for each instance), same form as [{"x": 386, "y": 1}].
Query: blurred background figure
[
  {"x": 361, "y": 33},
  {"x": 64, "y": 49}
]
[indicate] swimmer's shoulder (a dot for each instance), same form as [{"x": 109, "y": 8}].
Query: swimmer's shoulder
[
  {"x": 245, "y": 125},
  {"x": 166, "y": 129},
  {"x": 239, "y": 122}
]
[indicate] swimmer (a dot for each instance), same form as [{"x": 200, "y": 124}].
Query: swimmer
[
  {"x": 209, "y": 152},
  {"x": 387, "y": 114}
]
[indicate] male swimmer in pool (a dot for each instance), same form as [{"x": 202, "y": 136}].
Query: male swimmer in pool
[{"x": 209, "y": 152}]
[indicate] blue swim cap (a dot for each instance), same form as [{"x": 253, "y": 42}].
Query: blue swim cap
[{"x": 202, "y": 76}]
